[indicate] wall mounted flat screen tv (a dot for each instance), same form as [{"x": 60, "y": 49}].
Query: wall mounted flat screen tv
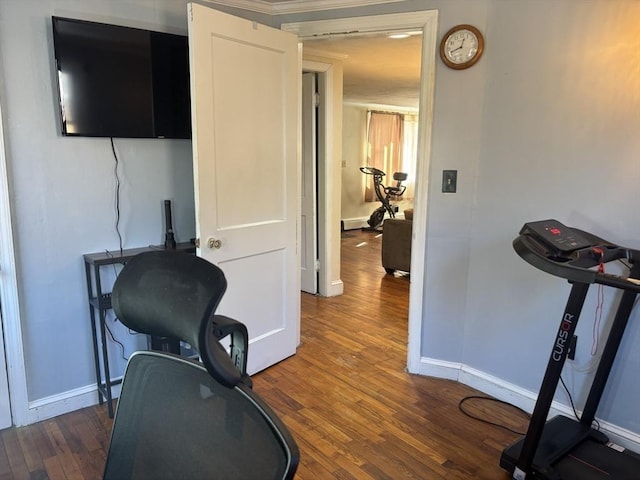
[{"x": 116, "y": 81}]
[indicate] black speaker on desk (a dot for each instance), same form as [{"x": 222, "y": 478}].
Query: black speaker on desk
[{"x": 169, "y": 238}]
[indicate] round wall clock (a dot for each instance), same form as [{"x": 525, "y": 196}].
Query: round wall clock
[{"x": 461, "y": 47}]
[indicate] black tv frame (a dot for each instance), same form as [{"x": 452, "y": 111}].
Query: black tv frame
[{"x": 117, "y": 81}]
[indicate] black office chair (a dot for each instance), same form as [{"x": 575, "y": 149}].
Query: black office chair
[{"x": 178, "y": 418}]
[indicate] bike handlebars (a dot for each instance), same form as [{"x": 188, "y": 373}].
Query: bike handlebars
[{"x": 372, "y": 171}]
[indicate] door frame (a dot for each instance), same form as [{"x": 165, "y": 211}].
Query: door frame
[
  {"x": 309, "y": 184},
  {"x": 325, "y": 168},
  {"x": 427, "y": 21},
  {"x": 11, "y": 326}
]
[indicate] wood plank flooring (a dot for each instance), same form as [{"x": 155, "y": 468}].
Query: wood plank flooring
[{"x": 346, "y": 397}]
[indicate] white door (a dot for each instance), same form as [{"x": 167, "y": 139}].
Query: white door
[
  {"x": 5, "y": 406},
  {"x": 245, "y": 99},
  {"x": 308, "y": 219}
]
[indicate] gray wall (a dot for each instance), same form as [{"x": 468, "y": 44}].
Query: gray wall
[
  {"x": 558, "y": 124},
  {"x": 63, "y": 190},
  {"x": 545, "y": 125}
]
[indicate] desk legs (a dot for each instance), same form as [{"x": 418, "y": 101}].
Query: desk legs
[
  {"x": 105, "y": 363},
  {"x": 104, "y": 386},
  {"x": 94, "y": 335}
]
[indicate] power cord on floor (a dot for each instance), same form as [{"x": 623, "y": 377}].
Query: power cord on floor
[
  {"x": 504, "y": 427},
  {"x": 484, "y": 420}
]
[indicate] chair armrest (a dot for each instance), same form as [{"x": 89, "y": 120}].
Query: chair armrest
[{"x": 228, "y": 368}]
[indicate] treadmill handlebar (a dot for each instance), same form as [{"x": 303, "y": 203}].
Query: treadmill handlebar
[{"x": 577, "y": 265}]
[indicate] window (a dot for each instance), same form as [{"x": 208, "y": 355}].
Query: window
[{"x": 392, "y": 147}]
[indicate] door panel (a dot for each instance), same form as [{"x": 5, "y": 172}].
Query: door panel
[{"x": 245, "y": 90}]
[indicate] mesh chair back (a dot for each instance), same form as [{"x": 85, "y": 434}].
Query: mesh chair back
[
  {"x": 178, "y": 419},
  {"x": 174, "y": 421},
  {"x": 172, "y": 294}
]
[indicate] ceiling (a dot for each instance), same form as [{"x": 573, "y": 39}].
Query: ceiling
[
  {"x": 278, "y": 7},
  {"x": 377, "y": 69}
]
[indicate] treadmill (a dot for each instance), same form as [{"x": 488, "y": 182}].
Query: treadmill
[{"x": 563, "y": 448}]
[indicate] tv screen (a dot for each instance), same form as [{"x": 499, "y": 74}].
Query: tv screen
[{"x": 118, "y": 81}]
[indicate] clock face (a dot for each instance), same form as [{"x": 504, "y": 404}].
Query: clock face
[{"x": 461, "y": 47}]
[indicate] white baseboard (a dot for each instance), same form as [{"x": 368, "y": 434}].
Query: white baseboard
[
  {"x": 66, "y": 402},
  {"x": 354, "y": 223},
  {"x": 518, "y": 396},
  {"x": 337, "y": 288},
  {"x": 358, "y": 223},
  {"x": 432, "y": 367}
]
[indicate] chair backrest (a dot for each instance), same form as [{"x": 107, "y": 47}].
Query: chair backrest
[
  {"x": 177, "y": 418},
  {"x": 174, "y": 421},
  {"x": 166, "y": 293}
]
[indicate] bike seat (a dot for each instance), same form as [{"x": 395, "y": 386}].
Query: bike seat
[
  {"x": 397, "y": 191},
  {"x": 400, "y": 176}
]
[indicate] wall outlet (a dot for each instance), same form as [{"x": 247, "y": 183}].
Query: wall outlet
[{"x": 571, "y": 353}]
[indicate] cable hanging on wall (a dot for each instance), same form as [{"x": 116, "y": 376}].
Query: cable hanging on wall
[{"x": 117, "y": 194}]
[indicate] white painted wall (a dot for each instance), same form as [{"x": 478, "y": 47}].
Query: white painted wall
[{"x": 354, "y": 137}]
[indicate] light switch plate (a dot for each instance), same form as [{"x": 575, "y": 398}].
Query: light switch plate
[{"x": 449, "y": 181}]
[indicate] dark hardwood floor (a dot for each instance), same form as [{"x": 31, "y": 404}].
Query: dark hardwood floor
[{"x": 345, "y": 396}]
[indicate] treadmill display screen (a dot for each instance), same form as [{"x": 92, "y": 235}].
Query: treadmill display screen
[{"x": 555, "y": 235}]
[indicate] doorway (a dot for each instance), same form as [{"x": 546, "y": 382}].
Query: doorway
[
  {"x": 381, "y": 74},
  {"x": 427, "y": 22}
]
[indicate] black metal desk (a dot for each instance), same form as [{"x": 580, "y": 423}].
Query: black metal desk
[{"x": 100, "y": 302}]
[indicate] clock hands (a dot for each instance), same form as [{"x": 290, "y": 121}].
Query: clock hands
[{"x": 460, "y": 47}]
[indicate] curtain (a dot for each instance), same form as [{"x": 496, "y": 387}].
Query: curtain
[
  {"x": 410, "y": 154},
  {"x": 384, "y": 147}
]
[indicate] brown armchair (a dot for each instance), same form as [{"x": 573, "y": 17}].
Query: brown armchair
[{"x": 396, "y": 243}]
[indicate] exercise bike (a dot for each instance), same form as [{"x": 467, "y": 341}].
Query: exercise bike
[{"x": 384, "y": 194}]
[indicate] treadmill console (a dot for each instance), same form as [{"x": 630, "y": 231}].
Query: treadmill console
[
  {"x": 573, "y": 254},
  {"x": 555, "y": 236}
]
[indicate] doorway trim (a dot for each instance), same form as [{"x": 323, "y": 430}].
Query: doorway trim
[
  {"x": 11, "y": 324},
  {"x": 427, "y": 21},
  {"x": 324, "y": 71},
  {"x": 328, "y": 212}
]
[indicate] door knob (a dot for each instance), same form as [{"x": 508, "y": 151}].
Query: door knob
[{"x": 214, "y": 243}]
